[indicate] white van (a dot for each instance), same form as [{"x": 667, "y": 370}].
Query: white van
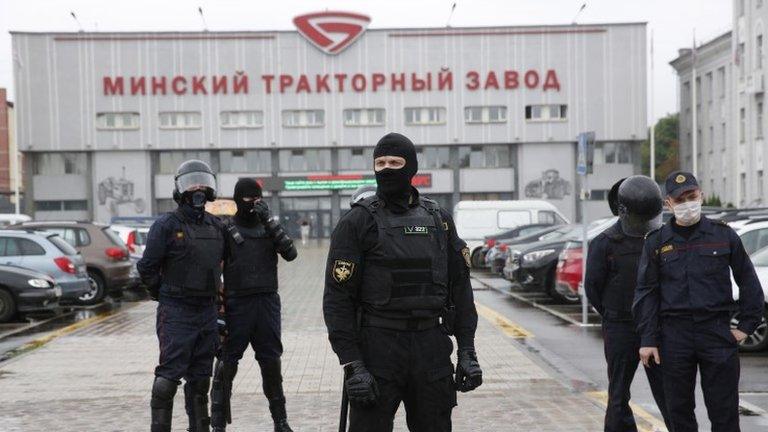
[
  {"x": 477, "y": 219},
  {"x": 12, "y": 218}
]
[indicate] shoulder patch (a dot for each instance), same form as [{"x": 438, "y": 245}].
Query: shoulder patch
[
  {"x": 467, "y": 258},
  {"x": 342, "y": 270}
]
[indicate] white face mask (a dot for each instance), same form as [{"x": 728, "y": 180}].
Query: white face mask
[{"x": 687, "y": 213}]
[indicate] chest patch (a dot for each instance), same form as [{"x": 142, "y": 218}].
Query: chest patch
[
  {"x": 179, "y": 235},
  {"x": 416, "y": 230},
  {"x": 667, "y": 248}
]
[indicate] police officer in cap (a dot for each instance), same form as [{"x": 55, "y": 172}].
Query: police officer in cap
[
  {"x": 397, "y": 283},
  {"x": 683, "y": 307},
  {"x": 610, "y": 286},
  {"x": 251, "y": 303},
  {"x": 361, "y": 193},
  {"x": 181, "y": 266}
]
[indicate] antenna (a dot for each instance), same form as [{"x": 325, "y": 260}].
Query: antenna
[
  {"x": 581, "y": 9},
  {"x": 202, "y": 17},
  {"x": 74, "y": 17},
  {"x": 450, "y": 15}
]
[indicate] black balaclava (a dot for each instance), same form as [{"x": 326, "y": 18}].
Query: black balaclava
[
  {"x": 194, "y": 202},
  {"x": 246, "y": 187},
  {"x": 394, "y": 185}
]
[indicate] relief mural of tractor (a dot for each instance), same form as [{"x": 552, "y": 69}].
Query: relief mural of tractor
[{"x": 116, "y": 191}]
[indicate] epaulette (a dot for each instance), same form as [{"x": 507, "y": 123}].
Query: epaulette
[{"x": 720, "y": 222}]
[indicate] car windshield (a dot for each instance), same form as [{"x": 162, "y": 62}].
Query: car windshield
[
  {"x": 62, "y": 245},
  {"x": 760, "y": 258},
  {"x": 114, "y": 237}
]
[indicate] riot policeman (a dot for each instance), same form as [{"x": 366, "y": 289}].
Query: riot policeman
[
  {"x": 181, "y": 266},
  {"x": 397, "y": 284},
  {"x": 683, "y": 306},
  {"x": 610, "y": 286},
  {"x": 251, "y": 303}
]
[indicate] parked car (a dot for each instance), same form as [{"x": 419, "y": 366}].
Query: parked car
[
  {"x": 477, "y": 219},
  {"x": 12, "y": 218},
  {"x": 535, "y": 266},
  {"x": 491, "y": 240},
  {"x": 496, "y": 258},
  {"x": 758, "y": 340},
  {"x": 25, "y": 290},
  {"x": 106, "y": 256},
  {"x": 135, "y": 239},
  {"x": 47, "y": 253}
]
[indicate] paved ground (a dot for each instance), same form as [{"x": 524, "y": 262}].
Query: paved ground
[{"x": 97, "y": 378}]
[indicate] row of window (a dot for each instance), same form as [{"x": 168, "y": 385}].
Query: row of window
[{"x": 316, "y": 117}]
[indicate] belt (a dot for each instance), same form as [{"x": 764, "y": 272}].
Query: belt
[{"x": 412, "y": 324}]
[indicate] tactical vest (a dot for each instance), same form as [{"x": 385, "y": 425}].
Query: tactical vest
[
  {"x": 251, "y": 266},
  {"x": 197, "y": 270},
  {"x": 407, "y": 270},
  {"x": 623, "y": 253}
]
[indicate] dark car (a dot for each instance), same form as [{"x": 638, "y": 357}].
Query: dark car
[
  {"x": 497, "y": 256},
  {"x": 24, "y": 290},
  {"x": 479, "y": 259},
  {"x": 534, "y": 266}
]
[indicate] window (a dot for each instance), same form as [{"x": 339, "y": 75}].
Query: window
[
  {"x": 698, "y": 93},
  {"x": 759, "y": 120},
  {"x": 305, "y": 160},
  {"x": 74, "y": 236},
  {"x": 550, "y": 217},
  {"x": 721, "y": 82},
  {"x": 364, "y": 117},
  {"x": 759, "y": 52},
  {"x": 710, "y": 88},
  {"x": 616, "y": 153},
  {"x": 723, "y": 137},
  {"x": 62, "y": 245},
  {"x": 743, "y": 186},
  {"x": 485, "y": 114},
  {"x": 740, "y": 8},
  {"x": 180, "y": 120},
  {"x": 28, "y": 247},
  {"x": 755, "y": 240},
  {"x": 546, "y": 112},
  {"x": 741, "y": 59},
  {"x": 513, "y": 218},
  {"x": 686, "y": 92},
  {"x": 424, "y": 116},
  {"x": 66, "y": 205},
  {"x": 169, "y": 161},
  {"x": 117, "y": 120},
  {"x": 742, "y": 124},
  {"x": 711, "y": 139},
  {"x": 303, "y": 118},
  {"x": 760, "y": 185},
  {"x": 60, "y": 163},
  {"x": 433, "y": 157},
  {"x": 241, "y": 119},
  {"x": 358, "y": 158},
  {"x": 485, "y": 156},
  {"x": 245, "y": 161}
]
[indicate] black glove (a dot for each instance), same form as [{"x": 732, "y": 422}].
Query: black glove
[
  {"x": 469, "y": 376},
  {"x": 261, "y": 210},
  {"x": 360, "y": 384}
]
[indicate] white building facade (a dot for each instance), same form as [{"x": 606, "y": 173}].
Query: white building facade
[{"x": 105, "y": 118}]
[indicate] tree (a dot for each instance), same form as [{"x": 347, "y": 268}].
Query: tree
[{"x": 667, "y": 148}]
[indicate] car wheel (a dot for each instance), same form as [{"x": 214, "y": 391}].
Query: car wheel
[
  {"x": 97, "y": 291},
  {"x": 7, "y": 306},
  {"x": 757, "y": 341},
  {"x": 477, "y": 258}
]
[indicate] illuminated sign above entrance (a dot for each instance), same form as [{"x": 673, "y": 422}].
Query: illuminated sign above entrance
[{"x": 332, "y": 182}]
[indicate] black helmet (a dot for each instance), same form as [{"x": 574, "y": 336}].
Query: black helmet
[
  {"x": 639, "y": 205},
  {"x": 613, "y": 197},
  {"x": 362, "y": 193},
  {"x": 194, "y": 174}
]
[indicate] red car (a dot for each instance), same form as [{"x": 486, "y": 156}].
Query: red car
[{"x": 569, "y": 271}]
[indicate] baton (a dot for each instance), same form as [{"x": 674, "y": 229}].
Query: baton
[{"x": 344, "y": 406}]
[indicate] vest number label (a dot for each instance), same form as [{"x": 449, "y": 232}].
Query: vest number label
[{"x": 416, "y": 230}]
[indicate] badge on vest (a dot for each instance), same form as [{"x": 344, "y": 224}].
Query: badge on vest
[
  {"x": 667, "y": 248},
  {"x": 179, "y": 235},
  {"x": 342, "y": 270},
  {"x": 416, "y": 230}
]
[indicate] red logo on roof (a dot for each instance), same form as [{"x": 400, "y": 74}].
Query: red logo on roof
[{"x": 331, "y": 32}]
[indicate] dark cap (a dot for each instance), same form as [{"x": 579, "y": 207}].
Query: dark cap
[{"x": 680, "y": 182}]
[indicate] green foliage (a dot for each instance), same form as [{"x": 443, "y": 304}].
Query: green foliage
[{"x": 667, "y": 148}]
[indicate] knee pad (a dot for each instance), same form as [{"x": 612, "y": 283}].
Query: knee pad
[{"x": 163, "y": 391}]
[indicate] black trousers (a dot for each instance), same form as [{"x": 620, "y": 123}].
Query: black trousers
[
  {"x": 622, "y": 346},
  {"x": 188, "y": 340},
  {"x": 707, "y": 345},
  {"x": 412, "y": 367},
  {"x": 255, "y": 320}
]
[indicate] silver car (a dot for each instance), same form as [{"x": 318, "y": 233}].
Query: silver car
[{"x": 49, "y": 254}]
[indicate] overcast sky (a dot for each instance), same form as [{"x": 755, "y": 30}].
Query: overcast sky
[{"x": 672, "y": 21}]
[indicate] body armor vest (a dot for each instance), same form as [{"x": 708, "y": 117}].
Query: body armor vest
[
  {"x": 623, "y": 253},
  {"x": 196, "y": 271},
  {"x": 407, "y": 270},
  {"x": 251, "y": 265}
]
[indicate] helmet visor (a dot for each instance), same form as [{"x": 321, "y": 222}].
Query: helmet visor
[
  {"x": 635, "y": 225},
  {"x": 196, "y": 181}
]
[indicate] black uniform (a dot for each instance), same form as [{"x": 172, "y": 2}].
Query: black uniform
[
  {"x": 683, "y": 305},
  {"x": 252, "y": 306},
  {"x": 610, "y": 286},
  {"x": 388, "y": 277},
  {"x": 182, "y": 262}
]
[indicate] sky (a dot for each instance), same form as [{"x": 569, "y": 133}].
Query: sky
[{"x": 672, "y": 22}]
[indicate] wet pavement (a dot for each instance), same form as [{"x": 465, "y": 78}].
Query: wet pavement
[{"x": 577, "y": 352}]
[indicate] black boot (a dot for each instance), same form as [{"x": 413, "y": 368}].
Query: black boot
[
  {"x": 196, "y": 403},
  {"x": 221, "y": 394},
  {"x": 272, "y": 383},
  {"x": 161, "y": 403}
]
